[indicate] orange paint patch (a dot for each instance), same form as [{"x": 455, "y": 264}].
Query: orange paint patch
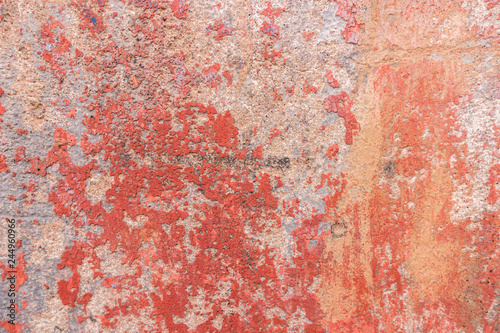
[
  {"x": 400, "y": 256},
  {"x": 407, "y": 213}
]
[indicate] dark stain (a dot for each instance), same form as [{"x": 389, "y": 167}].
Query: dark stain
[
  {"x": 389, "y": 169},
  {"x": 339, "y": 229}
]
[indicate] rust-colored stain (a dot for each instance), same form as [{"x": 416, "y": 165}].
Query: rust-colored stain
[{"x": 161, "y": 172}]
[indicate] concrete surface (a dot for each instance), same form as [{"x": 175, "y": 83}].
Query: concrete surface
[{"x": 250, "y": 166}]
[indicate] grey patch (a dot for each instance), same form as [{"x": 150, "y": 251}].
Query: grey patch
[
  {"x": 325, "y": 226},
  {"x": 486, "y": 64},
  {"x": 318, "y": 204},
  {"x": 290, "y": 227},
  {"x": 483, "y": 43},
  {"x": 436, "y": 57},
  {"x": 330, "y": 118},
  {"x": 332, "y": 26},
  {"x": 312, "y": 243},
  {"x": 467, "y": 58},
  {"x": 324, "y": 190}
]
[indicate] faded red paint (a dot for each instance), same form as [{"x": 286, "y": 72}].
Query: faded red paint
[
  {"x": 308, "y": 35},
  {"x": 221, "y": 29},
  {"x": 272, "y": 55},
  {"x": 347, "y": 10},
  {"x": 2, "y": 108},
  {"x": 3, "y": 164},
  {"x": 403, "y": 235},
  {"x": 239, "y": 199},
  {"x": 306, "y": 88},
  {"x": 434, "y": 188},
  {"x": 341, "y": 104},
  {"x": 179, "y": 8},
  {"x": 211, "y": 78},
  {"x": 331, "y": 80},
  {"x": 332, "y": 151},
  {"x": 229, "y": 77}
]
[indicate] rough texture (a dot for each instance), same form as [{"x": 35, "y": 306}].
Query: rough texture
[{"x": 251, "y": 166}]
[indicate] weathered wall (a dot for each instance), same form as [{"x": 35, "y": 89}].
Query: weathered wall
[{"x": 250, "y": 166}]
